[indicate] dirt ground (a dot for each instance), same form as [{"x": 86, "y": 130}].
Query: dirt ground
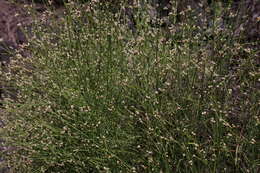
[{"x": 12, "y": 16}]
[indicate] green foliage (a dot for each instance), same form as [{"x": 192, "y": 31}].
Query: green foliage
[{"x": 93, "y": 97}]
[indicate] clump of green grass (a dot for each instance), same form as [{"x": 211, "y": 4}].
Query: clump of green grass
[{"x": 94, "y": 97}]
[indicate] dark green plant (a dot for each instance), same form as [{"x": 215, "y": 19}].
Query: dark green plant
[{"x": 99, "y": 98}]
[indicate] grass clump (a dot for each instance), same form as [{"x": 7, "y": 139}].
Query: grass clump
[{"x": 95, "y": 97}]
